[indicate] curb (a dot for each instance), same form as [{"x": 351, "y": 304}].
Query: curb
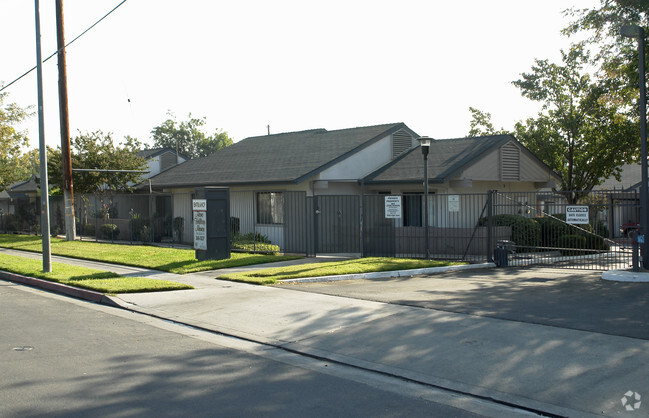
[
  {"x": 389, "y": 274},
  {"x": 626, "y": 276},
  {"x": 85, "y": 294}
]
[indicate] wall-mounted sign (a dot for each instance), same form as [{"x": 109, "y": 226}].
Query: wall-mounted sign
[
  {"x": 199, "y": 207},
  {"x": 577, "y": 214},
  {"x": 393, "y": 207},
  {"x": 453, "y": 203}
]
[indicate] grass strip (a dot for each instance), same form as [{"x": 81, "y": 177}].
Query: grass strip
[
  {"x": 173, "y": 260},
  {"x": 86, "y": 278},
  {"x": 355, "y": 266}
]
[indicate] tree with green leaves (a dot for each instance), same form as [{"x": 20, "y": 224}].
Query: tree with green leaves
[
  {"x": 616, "y": 56},
  {"x": 580, "y": 133},
  {"x": 96, "y": 151},
  {"x": 187, "y": 137},
  {"x": 14, "y": 163},
  {"x": 481, "y": 124}
]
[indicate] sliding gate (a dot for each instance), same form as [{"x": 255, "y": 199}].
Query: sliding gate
[{"x": 547, "y": 229}]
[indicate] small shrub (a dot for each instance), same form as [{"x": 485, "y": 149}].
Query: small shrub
[
  {"x": 255, "y": 237},
  {"x": 136, "y": 224},
  {"x": 12, "y": 223},
  {"x": 179, "y": 227},
  {"x": 256, "y": 247},
  {"x": 145, "y": 235},
  {"x": 55, "y": 230},
  {"x": 601, "y": 229},
  {"x": 552, "y": 228},
  {"x": 596, "y": 242},
  {"x": 525, "y": 231},
  {"x": 235, "y": 227},
  {"x": 253, "y": 242},
  {"x": 89, "y": 229},
  {"x": 578, "y": 242},
  {"x": 109, "y": 231}
]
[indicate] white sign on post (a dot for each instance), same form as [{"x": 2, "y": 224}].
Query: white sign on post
[
  {"x": 453, "y": 203},
  {"x": 393, "y": 207},
  {"x": 199, "y": 206},
  {"x": 577, "y": 214}
]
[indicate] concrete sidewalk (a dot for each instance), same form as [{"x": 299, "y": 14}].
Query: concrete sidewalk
[{"x": 544, "y": 368}]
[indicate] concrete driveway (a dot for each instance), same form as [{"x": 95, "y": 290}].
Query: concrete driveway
[{"x": 574, "y": 299}]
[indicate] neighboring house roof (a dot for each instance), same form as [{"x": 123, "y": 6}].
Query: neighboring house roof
[
  {"x": 447, "y": 158},
  {"x": 152, "y": 153},
  {"x": 27, "y": 186},
  {"x": 630, "y": 179},
  {"x": 280, "y": 158}
]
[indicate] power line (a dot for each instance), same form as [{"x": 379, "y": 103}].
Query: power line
[{"x": 66, "y": 45}]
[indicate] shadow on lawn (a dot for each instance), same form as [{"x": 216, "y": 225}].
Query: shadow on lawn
[{"x": 95, "y": 276}]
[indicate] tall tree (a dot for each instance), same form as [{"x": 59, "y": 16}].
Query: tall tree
[
  {"x": 14, "y": 165},
  {"x": 97, "y": 151},
  {"x": 616, "y": 56},
  {"x": 603, "y": 23},
  {"x": 188, "y": 138},
  {"x": 581, "y": 134},
  {"x": 481, "y": 124}
]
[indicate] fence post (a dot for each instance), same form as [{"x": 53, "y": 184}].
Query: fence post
[
  {"x": 362, "y": 223},
  {"x": 306, "y": 224},
  {"x": 489, "y": 226},
  {"x": 316, "y": 236}
]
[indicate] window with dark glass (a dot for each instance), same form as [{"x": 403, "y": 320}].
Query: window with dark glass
[
  {"x": 270, "y": 208},
  {"x": 413, "y": 210}
]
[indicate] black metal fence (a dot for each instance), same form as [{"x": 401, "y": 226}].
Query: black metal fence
[
  {"x": 546, "y": 228},
  {"x": 109, "y": 217},
  {"x": 520, "y": 228}
]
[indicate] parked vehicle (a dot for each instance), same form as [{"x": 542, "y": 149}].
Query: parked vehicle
[{"x": 627, "y": 228}]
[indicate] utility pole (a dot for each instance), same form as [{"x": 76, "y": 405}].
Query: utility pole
[
  {"x": 45, "y": 202},
  {"x": 66, "y": 161}
]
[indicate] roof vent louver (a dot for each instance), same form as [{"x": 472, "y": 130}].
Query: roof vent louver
[
  {"x": 510, "y": 163},
  {"x": 401, "y": 142}
]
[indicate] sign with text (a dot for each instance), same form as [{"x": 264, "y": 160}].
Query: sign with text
[
  {"x": 393, "y": 207},
  {"x": 199, "y": 207},
  {"x": 577, "y": 214},
  {"x": 454, "y": 203}
]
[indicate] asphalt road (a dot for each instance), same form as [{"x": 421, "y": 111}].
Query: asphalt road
[
  {"x": 574, "y": 299},
  {"x": 64, "y": 357}
]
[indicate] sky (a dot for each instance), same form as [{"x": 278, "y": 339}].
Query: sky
[{"x": 290, "y": 64}]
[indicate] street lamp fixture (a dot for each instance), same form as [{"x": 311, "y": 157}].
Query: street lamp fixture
[
  {"x": 637, "y": 32},
  {"x": 424, "y": 141}
]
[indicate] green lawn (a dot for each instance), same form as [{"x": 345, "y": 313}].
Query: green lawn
[
  {"x": 361, "y": 265},
  {"x": 173, "y": 260},
  {"x": 85, "y": 278}
]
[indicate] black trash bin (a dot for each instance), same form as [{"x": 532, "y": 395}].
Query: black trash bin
[
  {"x": 500, "y": 257},
  {"x": 501, "y": 253}
]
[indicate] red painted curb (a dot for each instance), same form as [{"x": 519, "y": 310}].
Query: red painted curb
[{"x": 85, "y": 294}]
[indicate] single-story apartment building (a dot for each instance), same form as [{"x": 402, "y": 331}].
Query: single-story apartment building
[{"x": 283, "y": 184}]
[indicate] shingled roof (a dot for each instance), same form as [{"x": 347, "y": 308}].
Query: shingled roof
[
  {"x": 280, "y": 158},
  {"x": 154, "y": 152},
  {"x": 447, "y": 157}
]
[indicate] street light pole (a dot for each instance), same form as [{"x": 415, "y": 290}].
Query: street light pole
[
  {"x": 425, "y": 148},
  {"x": 637, "y": 32}
]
